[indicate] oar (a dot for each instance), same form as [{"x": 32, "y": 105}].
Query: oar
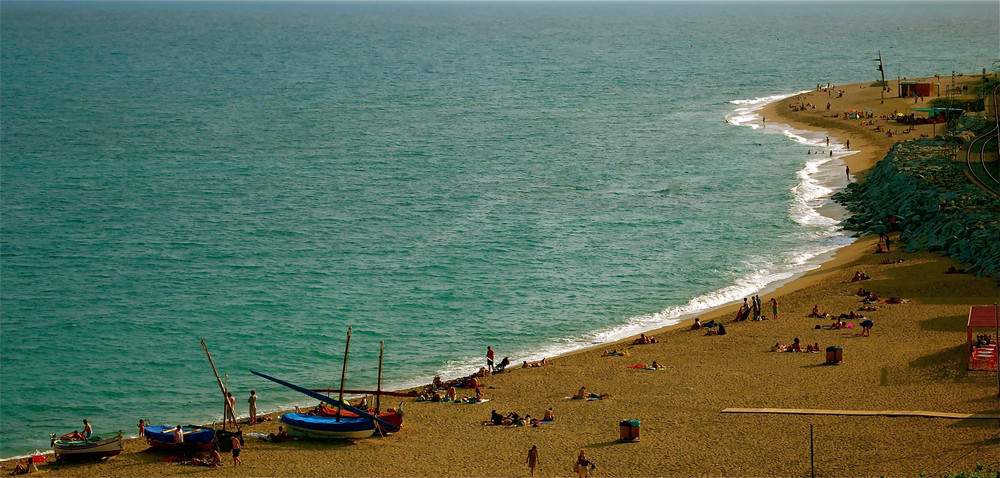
[{"x": 331, "y": 401}]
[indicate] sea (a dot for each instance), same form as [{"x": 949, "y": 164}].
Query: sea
[{"x": 437, "y": 177}]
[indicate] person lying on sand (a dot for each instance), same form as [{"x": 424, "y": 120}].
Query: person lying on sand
[
  {"x": 520, "y": 422},
  {"x": 778, "y": 347},
  {"x": 642, "y": 340},
  {"x": 582, "y": 394},
  {"x": 279, "y": 437},
  {"x": 615, "y": 353},
  {"x": 23, "y": 468},
  {"x": 811, "y": 348},
  {"x": 816, "y": 313},
  {"x": 870, "y": 298}
]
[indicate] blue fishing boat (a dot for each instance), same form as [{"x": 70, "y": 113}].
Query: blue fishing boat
[
  {"x": 347, "y": 421},
  {"x": 162, "y": 436},
  {"x": 318, "y": 426}
]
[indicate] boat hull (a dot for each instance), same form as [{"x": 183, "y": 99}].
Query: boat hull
[
  {"x": 87, "y": 449},
  {"x": 317, "y": 426},
  {"x": 162, "y": 437}
]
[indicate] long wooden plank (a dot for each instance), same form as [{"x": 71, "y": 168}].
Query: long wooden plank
[
  {"x": 331, "y": 401},
  {"x": 887, "y": 413}
]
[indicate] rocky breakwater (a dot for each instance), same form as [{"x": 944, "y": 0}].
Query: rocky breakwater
[{"x": 919, "y": 190}]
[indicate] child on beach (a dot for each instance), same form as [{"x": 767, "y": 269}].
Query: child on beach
[{"x": 236, "y": 450}]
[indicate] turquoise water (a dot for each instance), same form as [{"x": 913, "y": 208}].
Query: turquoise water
[{"x": 538, "y": 177}]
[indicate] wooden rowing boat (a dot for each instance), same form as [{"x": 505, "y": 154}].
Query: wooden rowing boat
[{"x": 70, "y": 447}]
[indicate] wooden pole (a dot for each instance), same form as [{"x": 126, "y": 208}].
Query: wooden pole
[
  {"x": 378, "y": 388},
  {"x": 221, "y": 385},
  {"x": 343, "y": 373}
]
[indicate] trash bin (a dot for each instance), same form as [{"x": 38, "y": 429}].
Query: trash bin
[
  {"x": 834, "y": 355},
  {"x": 629, "y": 430}
]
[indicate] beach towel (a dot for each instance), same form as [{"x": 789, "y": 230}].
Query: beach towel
[{"x": 590, "y": 399}]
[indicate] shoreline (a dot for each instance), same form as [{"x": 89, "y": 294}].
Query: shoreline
[{"x": 692, "y": 358}]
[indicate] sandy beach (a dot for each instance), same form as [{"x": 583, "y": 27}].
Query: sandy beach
[{"x": 914, "y": 360}]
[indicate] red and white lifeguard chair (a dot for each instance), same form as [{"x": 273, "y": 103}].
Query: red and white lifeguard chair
[{"x": 982, "y": 322}]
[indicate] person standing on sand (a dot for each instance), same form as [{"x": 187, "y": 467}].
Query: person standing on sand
[
  {"x": 582, "y": 465},
  {"x": 231, "y": 408},
  {"x": 489, "y": 358},
  {"x": 774, "y": 307},
  {"x": 236, "y": 450},
  {"x": 253, "y": 406},
  {"x": 179, "y": 436},
  {"x": 532, "y": 459},
  {"x": 847, "y": 169}
]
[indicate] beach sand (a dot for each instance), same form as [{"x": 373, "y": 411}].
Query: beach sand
[{"x": 913, "y": 360}]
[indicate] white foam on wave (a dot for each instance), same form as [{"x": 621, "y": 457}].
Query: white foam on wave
[{"x": 821, "y": 175}]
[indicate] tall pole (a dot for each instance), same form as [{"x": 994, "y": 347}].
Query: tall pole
[
  {"x": 812, "y": 455},
  {"x": 378, "y": 388},
  {"x": 343, "y": 373},
  {"x": 882, "y": 70},
  {"x": 221, "y": 385}
]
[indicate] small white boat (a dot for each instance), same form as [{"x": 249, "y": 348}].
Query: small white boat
[{"x": 74, "y": 447}]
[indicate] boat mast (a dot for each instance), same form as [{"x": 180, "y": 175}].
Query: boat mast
[
  {"x": 378, "y": 389},
  {"x": 343, "y": 373},
  {"x": 222, "y": 387}
]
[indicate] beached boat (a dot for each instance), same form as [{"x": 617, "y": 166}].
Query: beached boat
[
  {"x": 361, "y": 425},
  {"x": 343, "y": 422},
  {"x": 319, "y": 426},
  {"x": 74, "y": 447},
  {"x": 162, "y": 436}
]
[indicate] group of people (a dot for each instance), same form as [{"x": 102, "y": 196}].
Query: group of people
[
  {"x": 513, "y": 420},
  {"x": 581, "y": 466},
  {"x": 753, "y": 308},
  {"x": 795, "y": 347},
  {"x": 859, "y": 276}
]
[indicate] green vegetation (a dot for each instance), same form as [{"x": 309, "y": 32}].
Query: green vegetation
[{"x": 988, "y": 470}]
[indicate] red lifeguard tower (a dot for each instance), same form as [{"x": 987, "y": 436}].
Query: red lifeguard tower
[{"x": 982, "y": 323}]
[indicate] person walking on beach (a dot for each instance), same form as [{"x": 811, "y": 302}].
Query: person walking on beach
[
  {"x": 489, "y": 358},
  {"x": 532, "y": 459},
  {"x": 847, "y": 169},
  {"x": 253, "y": 406},
  {"x": 582, "y": 465},
  {"x": 236, "y": 450},
  {"x": 774, "y": 307}
]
